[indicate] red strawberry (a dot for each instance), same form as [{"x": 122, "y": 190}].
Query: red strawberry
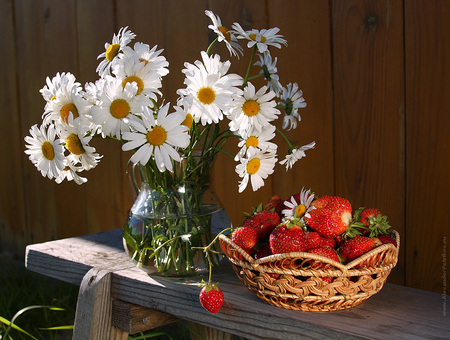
[
  {"x": 275, "y": 204},
  {"x": 366, "y": 213},
  {"x": 263, "y": 221},
  {"x": 385, "y": 239},
  {"x": 331, "y": 217},
  {"x": 287, "y": 238},
  {"x": 314, "y": 240},
  {"x": 322, "y": 201},
  {"x": 211, "y": 297},
  {"x": 374, "y": 221},
  {"x": 327, "y": 252},
  {"x": 357, "y": 246},
  {"x": 245, "y": 237}
]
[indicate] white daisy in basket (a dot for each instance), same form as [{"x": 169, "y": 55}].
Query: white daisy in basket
[
  {"x": 45, "y": 151},
  {"x": 76, "y": 138},
  {"x": 298, "y": 206},
  {"x": 257, "y": 139},
  {"x": 251, "y": 109},
  {"x": 147, "y": 78},
  {"x": 70, "y": 172},
  {"x": 269, "y": 71},
  {"x": 143, "y": 53},
  {"x": 117, "y": 107},
  {"x": 112, "y": 50},
  {"x": 223, "y": 34},
  {"x": 208, "y": 89},
  {"x": 256, "y": 167},
  {"x": 261, "y": 38},
  {"x": 293, "y": 100},
  {"x": 59, "y": 80},
  {"x": 159, "y": 138},
  {"x": 295, "y": 154}
]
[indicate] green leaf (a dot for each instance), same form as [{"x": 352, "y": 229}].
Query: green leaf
[
  {"x": 13, "y": 326},
  {"x": 57, "y": 328}
]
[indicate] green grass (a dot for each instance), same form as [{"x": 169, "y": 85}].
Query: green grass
[{"x": 21, "y": 288}]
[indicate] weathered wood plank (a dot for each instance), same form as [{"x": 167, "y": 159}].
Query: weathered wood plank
[
  {"x": 12, "y": 196},
  {"x": 133, "y": 318},
  {"x": 369, "y": 108},
  {"x": 428, "y": 162},
  {"x": 307, "y": 61}
]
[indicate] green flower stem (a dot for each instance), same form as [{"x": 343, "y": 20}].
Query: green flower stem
[
  {"x": 285, "y": 138},
  {"x": 250, "y": 64},
  {"x": 256, "y": 76},
  {"x": 208, "y": 51}
]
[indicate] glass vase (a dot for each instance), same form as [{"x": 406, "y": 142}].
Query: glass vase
[{"x": 174, "y": 215}]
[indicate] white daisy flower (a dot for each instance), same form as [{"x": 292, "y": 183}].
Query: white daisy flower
[
  {"x": 66, "y": 80},
  {"x": 208, "y": 89},
  {"x": 160, "y": 137},
  {"x": 68, "y": 99},
  {"x": 252, "y": 109},
  {"x": 261, "y": 38},
  {"x": 76, "y": 138},
  {"x": 45, "y": 152},
  {"x": 269, "y": 70},
  {"x": 117, "y": 107},
  {"x": 147, "y": 78},
  {"x": 143, "y": 53},
  {"x": 257, "y": 139},
  {"x": 293, "y": 100},
  {"x": 296, "y": 154},
  {"x": 223, "y": 34},
  {"x": 70, "y": 173},
  {"x": 299, "y": 205},
  {"x": 119, "y": 42},
  {"x": 256, "y": 167}
]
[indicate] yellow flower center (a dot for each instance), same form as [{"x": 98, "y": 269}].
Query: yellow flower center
[
  {"x": 188, "y": 121},
  {"x": 66, "y": 110},
  {"x": 253, "y": 37},
  {"x": 251, "y": 141},
  {"x": 206, "y": 95},
  {"x": 112, "y": 51},
  {"x": 225, "y": 32},
  {"x": 73, "y": 144},
  {"x": 250, "y": 108},
  {"x": 137, "y": 80},
  {"x": 253, "y": 166},
  {"x": 119, "y": 108},
  {"x": 157, "y": 136},
  {"x": 300, "y": 210},
  {"x": 48, "y": 151}
]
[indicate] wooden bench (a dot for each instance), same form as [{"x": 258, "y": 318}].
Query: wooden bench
[{"x": 117, "y": 299}]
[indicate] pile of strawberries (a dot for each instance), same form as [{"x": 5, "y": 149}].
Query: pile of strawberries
[{"x": 325, "y": 226}]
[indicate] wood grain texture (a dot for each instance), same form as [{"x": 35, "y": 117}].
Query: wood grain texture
[
  {"x": 395, "y": 312},
  {"x": 375, "y": 75},
  {"x": 12, "y": 195},
  {"x": 428, "y": 162},
  {"x": 369, "y": 109},
  {"x": 133, "y": 318}
]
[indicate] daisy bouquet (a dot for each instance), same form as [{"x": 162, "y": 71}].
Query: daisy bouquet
[{"x": 172, "y": 145}]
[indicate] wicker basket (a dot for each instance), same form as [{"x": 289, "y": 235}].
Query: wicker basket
[{"x": 300, "y": 285}]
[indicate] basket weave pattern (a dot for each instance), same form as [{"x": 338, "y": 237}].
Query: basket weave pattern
[{"x": 300, "y": 285}]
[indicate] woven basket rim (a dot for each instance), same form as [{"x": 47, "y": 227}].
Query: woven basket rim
[{"x": 345, "y": 270}]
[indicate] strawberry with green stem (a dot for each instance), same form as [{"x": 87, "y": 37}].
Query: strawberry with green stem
[{"x": 211, "y": 296}]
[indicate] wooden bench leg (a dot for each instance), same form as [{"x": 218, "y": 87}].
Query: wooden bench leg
[
  {"x": 93, "y": 318},
  {"x": 200, "y": 332}
]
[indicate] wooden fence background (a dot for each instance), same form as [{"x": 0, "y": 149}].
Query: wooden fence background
[{"x": 375, "y": 75}]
